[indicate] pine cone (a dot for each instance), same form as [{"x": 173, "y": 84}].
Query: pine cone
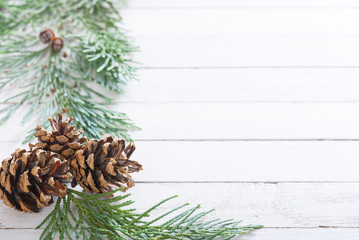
[
  {"x": 102, "y": 166},
  {"x": 46, "y": 35},
  {"x": 57, "y": 44},
  {"x": 28, "y": 179},
  {"x": 63, "y": 139}
]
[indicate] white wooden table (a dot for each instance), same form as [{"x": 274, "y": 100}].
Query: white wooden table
[{"x": 247, "y": 106}]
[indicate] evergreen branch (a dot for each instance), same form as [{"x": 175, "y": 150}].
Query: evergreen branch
[
  {"x": 96, "y": 52},
  {"x": 99, "y": 218}
]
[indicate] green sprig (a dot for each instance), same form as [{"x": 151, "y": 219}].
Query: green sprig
[
  {"x": 97, "y": 55},
  {"x": 99, "y": 217}
]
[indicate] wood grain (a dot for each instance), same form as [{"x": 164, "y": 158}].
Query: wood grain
[
  {"x": 274, "y": 205},
  {"x": 249, "y": 107},
  {"x": 244, "y": 85},
  {"x": 244, "y": 121},
  {"x": 232, "y": 121},
  {"x": 237, "y": 85},
  {"x": 248, "y": 161},
  {"x": 186, "y": 161},
  {"x": 153, "y": 4},
  {"x": 242, "y": 22},
  {"x": 303, "y": 234},
  {"x": 264, "y": 234},
  {"x": 270, "y": 51}
]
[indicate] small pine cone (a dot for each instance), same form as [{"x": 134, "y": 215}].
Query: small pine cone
[
  {"x": 29, "y": 179},
  {"x": 63, "y": 139},
  {"x": 46, "y": 35},
  {"x": 57, "y": 44},
  {"x": 104, "y": 165}
]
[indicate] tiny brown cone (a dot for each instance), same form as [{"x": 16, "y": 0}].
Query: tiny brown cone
[
  {"x": 46, "y": 35},
  {"x": 104, "y": 165},
  {"x": 57, "y": 44},
  {"x": 28, "y": 179},
  {"x": 63, "y": 139}
]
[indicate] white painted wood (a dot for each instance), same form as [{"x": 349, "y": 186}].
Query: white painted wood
[
  {"x": 241, "y": 4},
  {"x": 235, "y": 21},
  {"x": 274, "y": 205},
  {"x": 20, "y": 234},
  {"x": 303, "y": 234},
  {"x": 246, "y": 70},
  {"x": 229, "y": 121},
  {"x": 248, "y": 51},
  {"x": 244, "y": 85},
  {"x": 248, "y": 161},
  {"x": 241, "y": 161},
  {"x": 263, "y": 234},
  {"x": 244, "y": 121},
  {"x": 238, "y": 85}
]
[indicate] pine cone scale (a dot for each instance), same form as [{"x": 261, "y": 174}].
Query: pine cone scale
[
  {"x": 8, "y": 184},
  {"x": 101, "y": 179},
  {"x": 104, "y": 164},
  {"x": 29, "y": 179},
  {"x": 26, "y": 203},
  {"x": 109, "y": 168},
  {"x": 91, "y": 162},
  {"x": 129, "y": 150},
  {"x": 67, "y": 153},
  {"x": 63, "y": 138},
  {"x": 24, "y": 182}
]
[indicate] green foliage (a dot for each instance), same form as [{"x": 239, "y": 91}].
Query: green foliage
[
  {"x": 96, "y": 55},
  {"x": 99, "y": 217}
]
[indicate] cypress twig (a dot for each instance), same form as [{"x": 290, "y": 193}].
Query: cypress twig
[
  {"x": 96, "y": 54},
  {"x": 99, "y": 218}
]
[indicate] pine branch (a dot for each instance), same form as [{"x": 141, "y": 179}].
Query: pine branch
[
  {"x": 97, "y": 55},
  {"x": 110, "y": 218}
]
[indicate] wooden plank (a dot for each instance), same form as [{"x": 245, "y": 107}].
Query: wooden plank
[
  {"x": 244, "y": 121},
  {"x": 238, "y": 85},
  {"x": 20, "y": 234},
  {"x": 262, "y": 234},
  {"x": 248, "y": 51},
  {"x": 247, "y": 121},
  {"x": 213, "y": 121},
  {"x": 241, "y": 161},
  {"x": 303, "y": 234},
  {"x": 243, "y": 85},
  {"x": 234, "y": 21},
  {"x": 274, "y": 205},
  {"x": 241, "y": 4},
  {"x": 248, "y": 161}
]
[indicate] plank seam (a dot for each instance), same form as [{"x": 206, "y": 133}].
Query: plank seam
[
  {"x": 210, "y": 102},
  {"x": 244, "y": 8},
  {"x": 246, "y": 182},
  {"x": 319, "y": 227},
  {"x": 251, "y": 140},
  {"x": 253, "y": 67},
  {"x": 235, "y": 140}
]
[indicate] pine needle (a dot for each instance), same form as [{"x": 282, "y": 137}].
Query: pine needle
[
  {"x": 96, "y": 55},
  {"x": 98, "y": 218}
]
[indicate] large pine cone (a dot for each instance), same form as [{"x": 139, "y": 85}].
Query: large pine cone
[
  {"x": 29, "y": 179},
  {"x": 102, "y": 166},
  {"x": 63, "y": 139}
]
